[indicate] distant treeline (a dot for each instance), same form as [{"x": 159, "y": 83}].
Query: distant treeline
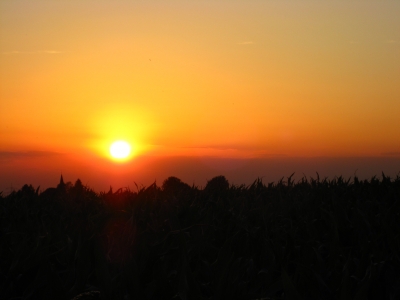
[{"x": 311, "y": 239}]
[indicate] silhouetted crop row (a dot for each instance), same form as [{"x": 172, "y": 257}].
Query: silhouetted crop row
[{"x": 311, "y": 239}]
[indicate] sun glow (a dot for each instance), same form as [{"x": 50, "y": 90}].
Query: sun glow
[{"x": 120, "y": 150}]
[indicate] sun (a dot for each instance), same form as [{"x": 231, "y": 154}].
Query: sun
[{"x": 120, "y": 150}]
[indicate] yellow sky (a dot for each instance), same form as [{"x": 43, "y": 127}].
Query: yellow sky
[{"x": 218, "y": 78}]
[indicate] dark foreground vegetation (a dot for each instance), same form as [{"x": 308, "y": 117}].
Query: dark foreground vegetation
[{"x": 313, "y": 239}]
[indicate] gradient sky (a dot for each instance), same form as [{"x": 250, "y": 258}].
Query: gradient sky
[{"x": 196, "y": 79}]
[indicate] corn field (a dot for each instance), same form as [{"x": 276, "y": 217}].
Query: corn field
[{"x": 311, "y": 239}]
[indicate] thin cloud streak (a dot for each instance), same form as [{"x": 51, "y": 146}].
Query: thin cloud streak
[
  {"x": 214, "y": 147},
  {"x": 32, "y": 52},
  {"x": 392, "y": 154},
  {"x": 246, "y": 43},
  {"x": 26, "y": 154}
]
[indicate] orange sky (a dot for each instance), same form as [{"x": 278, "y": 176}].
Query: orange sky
[{"x": 231, "y": 79}]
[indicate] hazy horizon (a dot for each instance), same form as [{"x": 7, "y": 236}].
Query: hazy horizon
[{"x": 144, "y": 171}]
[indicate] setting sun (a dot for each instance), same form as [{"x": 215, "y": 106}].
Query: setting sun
[{"x": 120, "y": 150}]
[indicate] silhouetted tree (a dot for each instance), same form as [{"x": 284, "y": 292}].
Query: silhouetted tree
[
  {"x": 218, "y": 183},
  {"x": 173, "y": 184},
  {"x": 216, "y": 187},
  {"x": 28, "y": 190}
]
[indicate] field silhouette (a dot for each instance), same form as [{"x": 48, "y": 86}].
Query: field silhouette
[{"x": 311, "y": 239}]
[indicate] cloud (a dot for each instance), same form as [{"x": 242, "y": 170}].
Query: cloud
[
  {"x": 51, "y": 52},
  {"x": 392, "y": 42},
  {"x": 392, "y": 154},
  {"x": 26, "y": 154},
  {"x": 227, "y": 151},
  {"x": 11, "y": 52},
  {"x": 212, "y": 148},
  {"x": 32, "y": 52},
  {"x": 227, "y": 147},
  {"x": 246, "y": 43}
]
